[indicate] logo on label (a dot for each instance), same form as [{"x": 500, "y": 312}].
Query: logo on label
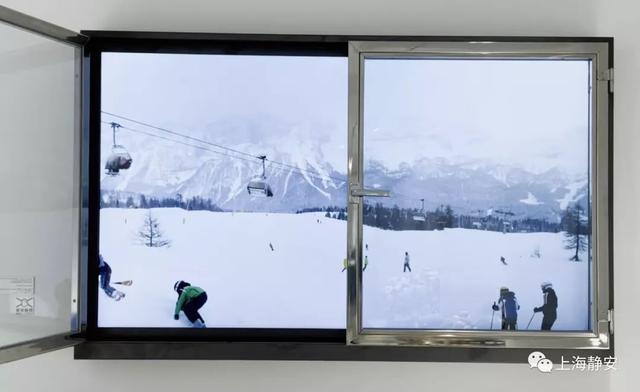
[
  {"x": 24, "y": 305},
  {"x": 540, "y": 361}
]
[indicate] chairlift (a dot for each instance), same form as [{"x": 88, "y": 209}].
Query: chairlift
[
  {"x": 258, "y": 185},
  {"x": 119, "y": 159},
  {"x": 420, "y": 217}
]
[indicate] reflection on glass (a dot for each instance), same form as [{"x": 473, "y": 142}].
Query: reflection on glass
[
  {"x": 488, "y": 165},
  {"x": 223, "y": 191},
  {"x": 37, "y": 242}
]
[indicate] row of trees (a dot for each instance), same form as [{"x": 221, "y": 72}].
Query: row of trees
[
  {"x": 396, "y": 218},
  {"x": 195, "y": 203}
]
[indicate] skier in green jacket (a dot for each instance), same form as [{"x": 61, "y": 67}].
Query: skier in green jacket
[{"x": 190, "y": 299}]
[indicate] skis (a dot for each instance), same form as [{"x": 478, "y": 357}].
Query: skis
[{"x": 117, "y": 295}]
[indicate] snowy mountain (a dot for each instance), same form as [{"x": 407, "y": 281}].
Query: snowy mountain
[
  {"x": 299, "y": 180},
  {"x": 477, "y": 188},
  {"x": 304, "y": 179}
]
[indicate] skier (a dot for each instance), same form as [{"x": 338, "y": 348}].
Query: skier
[
  {"x": 271, "y": 246},
  {"x": 549, "y": 306},
  {"x": 502, "y": 259},
  {"x": 508, "y": 304},
  {"x": 104, "y": 272},
  {"x": 366, "y": 263},
  {"x": 190, "y": 299},
  {"x": 406, "y": 262}
]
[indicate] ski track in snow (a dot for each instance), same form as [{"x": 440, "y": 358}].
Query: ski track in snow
[
  {"x": 455, "y": 280},
  {"x": 570, "y": 196},
  {"x": 286, "y": 183}
]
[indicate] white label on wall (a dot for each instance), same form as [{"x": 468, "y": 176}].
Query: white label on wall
[{"x": 21, "y": 293}]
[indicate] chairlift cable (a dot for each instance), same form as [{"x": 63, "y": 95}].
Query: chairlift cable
[
  {"x": 312, "y": 173},
  {"x": 252, "y": 159},
  {"x": 179, "y": 142},
  {"x": 178, "y": 134}
]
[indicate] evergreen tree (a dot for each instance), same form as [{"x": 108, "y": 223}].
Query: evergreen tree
[
  {"x": 575, "y": 230},
  {"x": 143, "y": 202},
  {"x": 449, "y": 218},
  {"x": 150, "y": 234},
  {"x": 130, "y": 203}
]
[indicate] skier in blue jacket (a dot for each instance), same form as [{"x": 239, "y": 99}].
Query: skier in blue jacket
[
  {"x": 104, "y": 273},
  {"x": 508, "y": 305}
]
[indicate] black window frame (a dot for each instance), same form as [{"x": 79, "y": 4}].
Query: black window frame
[{"x": 242, "y": 343}]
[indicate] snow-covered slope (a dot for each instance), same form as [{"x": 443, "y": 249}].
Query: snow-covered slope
[{"x": 456, "y": 273}]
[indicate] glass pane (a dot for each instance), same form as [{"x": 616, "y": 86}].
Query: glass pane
[
  {"x": 488, "y": 164},
  {"x": 37, "y": 242},
  {"x": 226, "y": 173}
]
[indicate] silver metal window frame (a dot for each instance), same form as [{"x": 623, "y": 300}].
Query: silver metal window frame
[
  {"x": 78, "y": 262},
  {"x": 599, "y": 337}
]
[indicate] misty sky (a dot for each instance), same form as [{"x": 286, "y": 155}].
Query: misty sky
[
  {"x": 234, "y": 99},
  {"x": 531, "y": 114}
]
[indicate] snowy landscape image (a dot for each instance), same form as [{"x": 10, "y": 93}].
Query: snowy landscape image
[{"x": 230, "y": 172}]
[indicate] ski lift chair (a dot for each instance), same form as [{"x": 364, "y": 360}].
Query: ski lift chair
[
  {"x": 118, "y": 160},
  {"x": 258, "y": 185}
]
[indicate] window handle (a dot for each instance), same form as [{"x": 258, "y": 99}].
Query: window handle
[{"x": 362, "y": 192}]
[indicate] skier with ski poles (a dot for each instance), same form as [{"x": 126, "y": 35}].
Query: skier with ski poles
[
  {"x": 190, "y": 299},
  {"x": 104, "y": 274},
  {"x": 508, "y": 305},
  {"x": 549, "y": 306},
  {"x": 406, "y": 262}
]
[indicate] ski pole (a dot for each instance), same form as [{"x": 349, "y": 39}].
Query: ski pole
[
  {"x": 531, "y": 319},
  {"x": 492, "y": 315}
]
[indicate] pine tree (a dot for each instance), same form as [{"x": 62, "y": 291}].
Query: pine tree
[
  {"x": 130, "y": 202},
  {"x": 449, "y": 216},
  {"x": 575, "y": 231},
  {"x": 143, "y": 202},
  {"x": 150, "y": 234}
]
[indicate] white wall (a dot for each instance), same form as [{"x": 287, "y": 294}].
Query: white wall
[{"x": 618, "y": 18}]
